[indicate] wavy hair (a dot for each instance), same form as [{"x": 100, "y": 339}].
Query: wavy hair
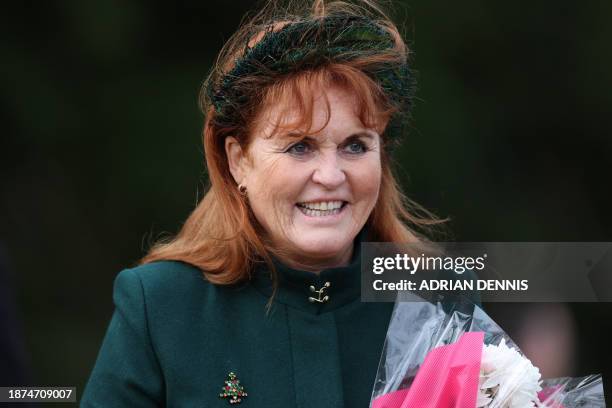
[{"x": 221, "y": 236}]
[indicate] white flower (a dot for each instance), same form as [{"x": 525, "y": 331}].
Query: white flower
[{"x": 507, "y": 379}]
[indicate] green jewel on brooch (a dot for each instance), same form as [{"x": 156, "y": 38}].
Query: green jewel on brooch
[{"x": 233, "y": 390}]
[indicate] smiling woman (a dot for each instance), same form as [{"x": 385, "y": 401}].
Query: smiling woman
[
  {"x": 314, "y": 194},
  {"x": 257, "y": 297}
]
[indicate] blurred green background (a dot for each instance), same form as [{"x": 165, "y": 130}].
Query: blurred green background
[{"x": 100, "y": 148}]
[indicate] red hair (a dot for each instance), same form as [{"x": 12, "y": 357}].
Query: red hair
[{"x": 221, "y": 236}]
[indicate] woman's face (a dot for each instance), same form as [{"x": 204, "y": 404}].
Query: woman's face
[{"x": 311, "y": 193}]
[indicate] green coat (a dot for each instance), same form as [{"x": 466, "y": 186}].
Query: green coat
[{"x": 174, "y": 338}]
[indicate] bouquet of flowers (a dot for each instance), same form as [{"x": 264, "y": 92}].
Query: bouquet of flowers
[{"x": 452, "y": 355}]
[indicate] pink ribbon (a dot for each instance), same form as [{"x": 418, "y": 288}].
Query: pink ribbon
[
  {"x": 550, "y": 395},
  {"x": 448, "y": 378}
]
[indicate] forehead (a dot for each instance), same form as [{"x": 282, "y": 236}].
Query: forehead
[{"x": 334, "y": 110}]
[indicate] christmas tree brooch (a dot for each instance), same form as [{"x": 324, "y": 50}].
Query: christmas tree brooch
[{"x": 233, "y": 390}]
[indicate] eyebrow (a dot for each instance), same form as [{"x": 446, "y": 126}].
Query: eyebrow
[
  {"x": 360, "y": 133},
  {"x": 363, "y": 133}
]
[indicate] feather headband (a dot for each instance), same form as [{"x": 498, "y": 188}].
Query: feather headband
[{"x": 309, "y": 44}]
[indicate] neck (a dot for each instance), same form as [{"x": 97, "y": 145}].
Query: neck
[{"x": 316, "y": 264}]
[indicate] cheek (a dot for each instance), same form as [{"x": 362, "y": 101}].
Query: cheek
[
  {"x": 278, "y": 179},
  {"x": 366, "y": 181},
  {"x": 275, "y": 186}
]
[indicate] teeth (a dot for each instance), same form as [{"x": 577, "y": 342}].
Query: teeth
[
  {"x": 322, "y": 208},
  {"x": 322, "y": 205},
  {"x": 318, "y": 213}
]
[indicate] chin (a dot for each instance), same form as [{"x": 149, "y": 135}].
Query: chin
[{"x": 319, "y": 246}]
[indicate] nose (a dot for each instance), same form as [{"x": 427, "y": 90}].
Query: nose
[{"x": 329, "y": 172}]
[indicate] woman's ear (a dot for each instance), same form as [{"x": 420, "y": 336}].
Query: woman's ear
[{"x": 236, "y": 159}]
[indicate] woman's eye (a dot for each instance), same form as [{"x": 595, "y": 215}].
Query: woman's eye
[
  {"x": 356, "y": 147},
  {"x": 299, "y": 149}
]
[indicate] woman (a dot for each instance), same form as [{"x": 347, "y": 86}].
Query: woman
[{"x": 261, "y": 286}]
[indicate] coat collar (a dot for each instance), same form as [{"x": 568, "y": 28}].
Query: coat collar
[{"x": 341, "y": 285}]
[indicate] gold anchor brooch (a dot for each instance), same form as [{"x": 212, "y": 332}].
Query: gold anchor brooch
[{"x": 320, "y": 298}]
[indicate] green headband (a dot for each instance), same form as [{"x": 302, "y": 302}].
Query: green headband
[{"x": 308, "y": 44}]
